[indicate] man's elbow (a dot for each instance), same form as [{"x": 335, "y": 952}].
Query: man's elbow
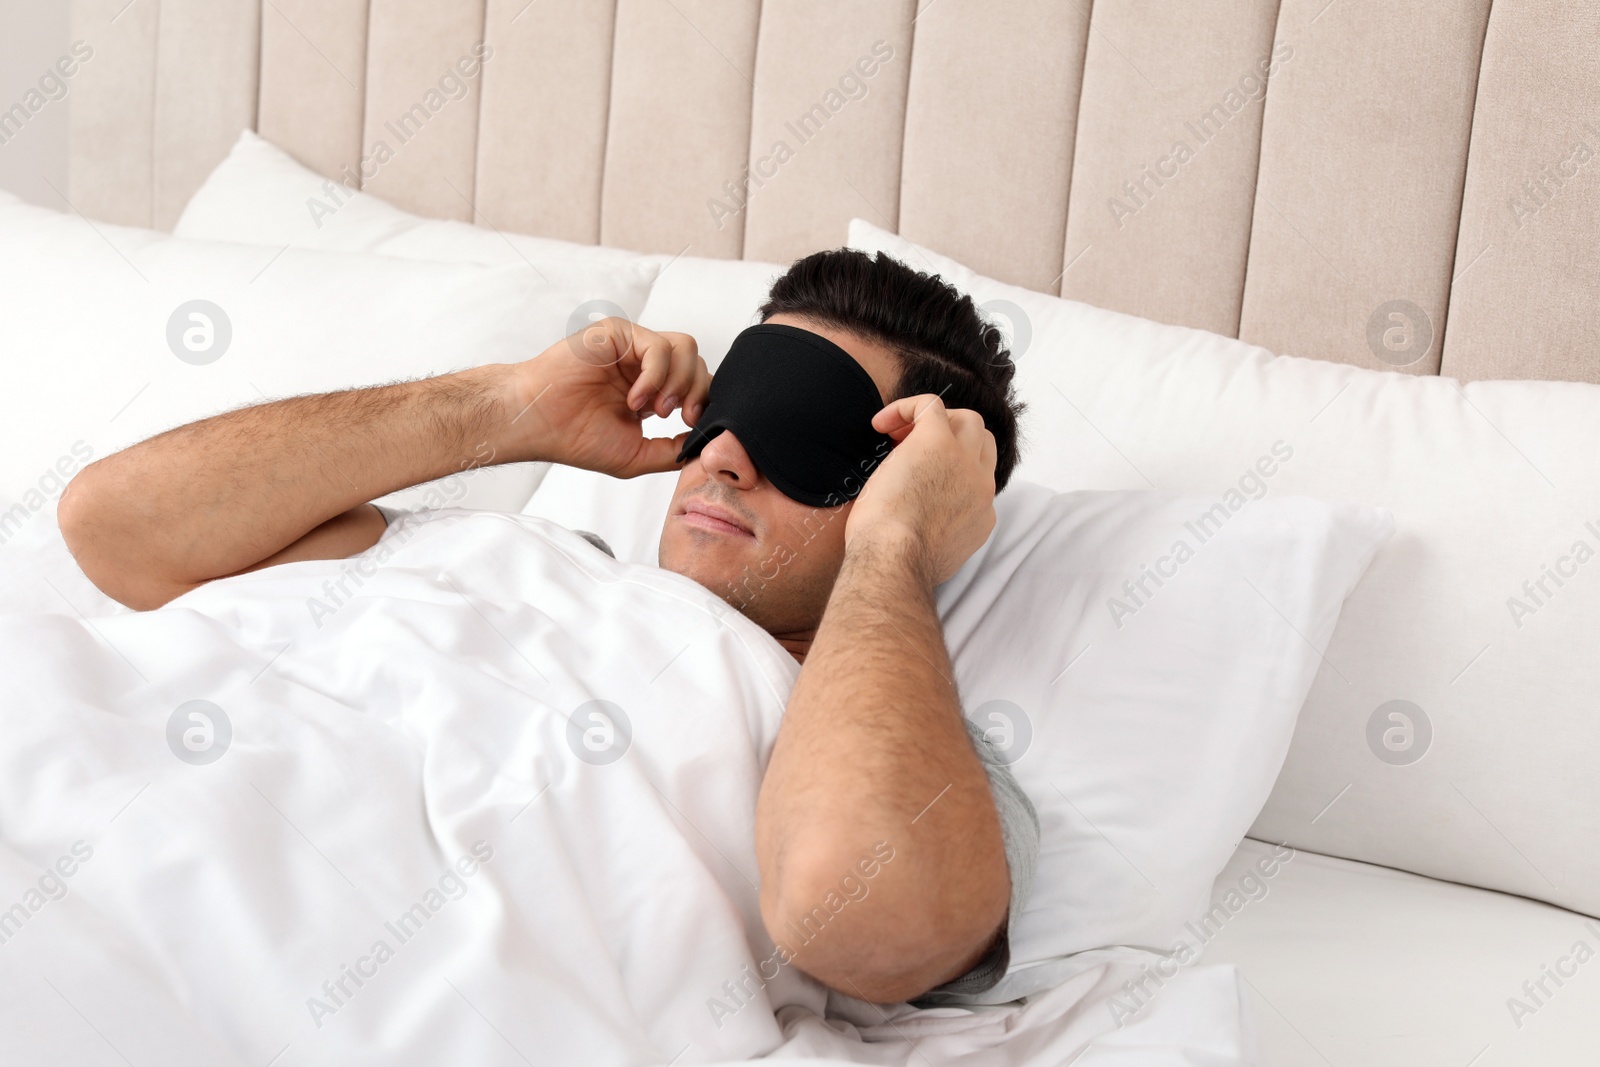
[
  {"x": 79, "y": 514},
  {"x": 91, "y": 536},
  {"x": 883, "y": 939}
]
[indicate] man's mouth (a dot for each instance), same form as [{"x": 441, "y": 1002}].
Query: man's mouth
[{"x": 714, "y": 519}]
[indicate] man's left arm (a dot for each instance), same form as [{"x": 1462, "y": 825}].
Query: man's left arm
[{"x": 873, "y": 759}]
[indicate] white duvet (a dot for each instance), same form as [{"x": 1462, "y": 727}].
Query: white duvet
[{"x": 395, "y": 831}]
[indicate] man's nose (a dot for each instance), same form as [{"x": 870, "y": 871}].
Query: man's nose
[{"x": 726, "y": 461}]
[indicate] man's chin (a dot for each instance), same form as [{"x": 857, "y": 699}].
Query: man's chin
[{"x": 715, "y": 566}]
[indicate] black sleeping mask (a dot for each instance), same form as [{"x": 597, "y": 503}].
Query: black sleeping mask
[{"x": 802, "y": 407}]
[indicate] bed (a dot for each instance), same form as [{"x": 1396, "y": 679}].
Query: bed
[{"x": 1366, "y": 232}]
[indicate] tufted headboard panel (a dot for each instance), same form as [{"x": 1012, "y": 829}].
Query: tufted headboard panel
[{"x": 1405, "y": 184}]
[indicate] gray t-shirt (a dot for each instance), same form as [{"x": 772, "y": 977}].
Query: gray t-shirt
[{"x": 1019, "y": 829}]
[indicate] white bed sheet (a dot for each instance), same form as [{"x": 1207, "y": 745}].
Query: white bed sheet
[{"x": 389, "y": 716}]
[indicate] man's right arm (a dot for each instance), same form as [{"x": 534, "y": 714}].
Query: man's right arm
[{"x": 291, "y": 479}]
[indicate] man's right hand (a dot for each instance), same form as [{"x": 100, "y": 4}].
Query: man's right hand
[{"x": 581, "y": 402}]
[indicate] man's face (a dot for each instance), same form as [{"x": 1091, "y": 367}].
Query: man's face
[{"x": 728, "y": 528}]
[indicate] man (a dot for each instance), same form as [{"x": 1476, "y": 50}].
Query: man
[{"x": 873, "y": 745}]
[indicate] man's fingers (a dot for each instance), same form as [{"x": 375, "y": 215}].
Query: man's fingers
[
  {"x": 988, "y": 454},
  {"x": 964, "y": 421},
  {"x": 681, "y": 375},
  {"x": 601, "y": 343},
  {"x": 654, "y": 354},
  {"x": 968, "y": 427},
  {"x": 591, "y": 343},
  {"x": 974, "y": 437},
  {"x": 667, "y": 368},
  {"x": 900, "y": 418},
  {"x": 694, "y": 399},
  {"x": 897, "y": 417},
  {"x": 664, "y": 371},
  {"x": 656, "y": 454}
]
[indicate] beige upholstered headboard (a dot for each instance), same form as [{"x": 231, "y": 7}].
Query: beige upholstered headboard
[{"x": 1418, "y": 180}]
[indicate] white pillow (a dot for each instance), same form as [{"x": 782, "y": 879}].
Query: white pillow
[
  {"x": 97, "y": 318},
  {"x": 1452, "y": 730},
  {"x": 260, "y": 194},
  {"x": 1148, "y": 738}
]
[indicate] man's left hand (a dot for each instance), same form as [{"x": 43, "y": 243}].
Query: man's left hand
[{"x": 936, "y": 486}]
